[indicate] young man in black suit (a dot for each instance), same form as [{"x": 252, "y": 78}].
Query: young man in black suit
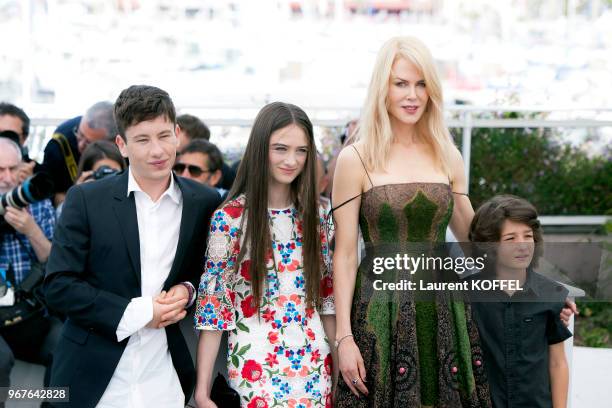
[{"x": 126, "y": 259}]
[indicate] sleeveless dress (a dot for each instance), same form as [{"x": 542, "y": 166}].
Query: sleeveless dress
[{"x": 416, "y": 353}]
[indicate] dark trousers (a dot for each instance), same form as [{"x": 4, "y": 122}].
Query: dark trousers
[
  {"x": 7, "y": 360},
  {"x": 33, "y": 344}
]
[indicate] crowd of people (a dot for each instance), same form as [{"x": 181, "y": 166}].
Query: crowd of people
[{"x": 146, "y": 225}]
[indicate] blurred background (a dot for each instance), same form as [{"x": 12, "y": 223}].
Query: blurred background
[
  {"x": 58, "y": 55},
  {"x": 528, "y": 91},
  {"x": 509, "y": 67}
]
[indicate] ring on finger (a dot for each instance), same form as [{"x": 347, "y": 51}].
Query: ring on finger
[{"x": 354, "y": 381}]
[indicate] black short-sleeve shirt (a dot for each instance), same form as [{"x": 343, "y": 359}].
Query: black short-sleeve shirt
[
  {"x": 54, "y": 162},
  {"x": 515, "y": 334}
]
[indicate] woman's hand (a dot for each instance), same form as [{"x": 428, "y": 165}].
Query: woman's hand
[
  {"x": 352, "y": 367},
  {"x": 84, "y": 177}
]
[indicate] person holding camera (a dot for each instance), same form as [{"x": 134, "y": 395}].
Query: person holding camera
[
  {"x": 100, "y": 159},
  {"x": 25, "y": 244}
]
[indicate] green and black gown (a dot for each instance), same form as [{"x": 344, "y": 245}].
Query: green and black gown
[{"x": 416, "y": 353}]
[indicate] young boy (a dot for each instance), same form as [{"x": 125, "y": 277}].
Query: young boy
[{"x": 521, "y": 333}]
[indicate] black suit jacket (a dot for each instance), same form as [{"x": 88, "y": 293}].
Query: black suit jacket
[{"x": 94, "y": 271}]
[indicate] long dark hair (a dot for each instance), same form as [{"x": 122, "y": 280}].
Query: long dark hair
[
  {"x": 98, "y": 150},
  {"x": 252, "y": 181}
]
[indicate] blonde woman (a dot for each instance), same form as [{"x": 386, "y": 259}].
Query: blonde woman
[{"x": 402, "y": 181}]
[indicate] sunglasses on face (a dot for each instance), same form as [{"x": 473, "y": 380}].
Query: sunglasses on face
[{"x": 194, "y": 171}]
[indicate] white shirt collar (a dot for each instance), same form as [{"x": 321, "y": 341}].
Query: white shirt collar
[{"x": 173, "y": 191}]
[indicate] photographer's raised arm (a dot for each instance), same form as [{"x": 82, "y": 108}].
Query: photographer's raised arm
[
  {"x": 23, "y": 222},
  {"x": 66, "y": 288}
]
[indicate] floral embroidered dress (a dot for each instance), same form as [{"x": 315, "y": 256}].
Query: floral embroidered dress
[{"x": 283, "y": 358}]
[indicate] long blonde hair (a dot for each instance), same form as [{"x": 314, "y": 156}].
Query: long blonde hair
[{"x": 374, "y": 130}]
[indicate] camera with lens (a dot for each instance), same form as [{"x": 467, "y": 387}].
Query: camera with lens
[
  {"x": 102, "y": 172},
  {"x": 36, "y": 188}
]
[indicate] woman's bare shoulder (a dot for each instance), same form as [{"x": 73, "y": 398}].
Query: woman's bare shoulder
[{"x": 348, "y": 156}]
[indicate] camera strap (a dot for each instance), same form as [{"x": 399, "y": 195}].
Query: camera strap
[{"x": 71, "y": 164}]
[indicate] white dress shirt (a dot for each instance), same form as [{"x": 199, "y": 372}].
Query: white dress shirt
[{"x": 145, "y": 376}]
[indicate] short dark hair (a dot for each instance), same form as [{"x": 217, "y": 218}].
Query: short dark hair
[
  {"x": 98, "y": 150},
  {"x": 488, "y": 219},
  {"x": 12, "y": 110},
  {"x": 193, "y": 126},
  {"x": 142, "y": 102},
  {"x": 9, "y": 134},
  {"x": 490, "y": 216},
  {"x": 215, "y": 158}
]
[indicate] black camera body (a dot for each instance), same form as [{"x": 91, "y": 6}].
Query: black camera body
[{"x": 103, "y": 171}]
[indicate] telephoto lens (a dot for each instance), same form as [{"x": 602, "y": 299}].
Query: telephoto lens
[{"x": 36, "y": 188}]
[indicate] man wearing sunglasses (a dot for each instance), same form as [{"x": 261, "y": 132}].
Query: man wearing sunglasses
[
  {"x": 192, "y": 128},
  {"x": 201, "y": 161}
]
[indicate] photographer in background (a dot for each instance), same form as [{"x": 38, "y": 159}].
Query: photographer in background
[
  {"x": 15, "y": 119},
  {"x": 25, "y": 244},
  {"x": 201, "y": 161},
  {"x": 15, "y": 124},
  {"x": 64, "y": 150},
  {"x": 100, "y": 159},
  {"x": 191, "y": 128}
]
